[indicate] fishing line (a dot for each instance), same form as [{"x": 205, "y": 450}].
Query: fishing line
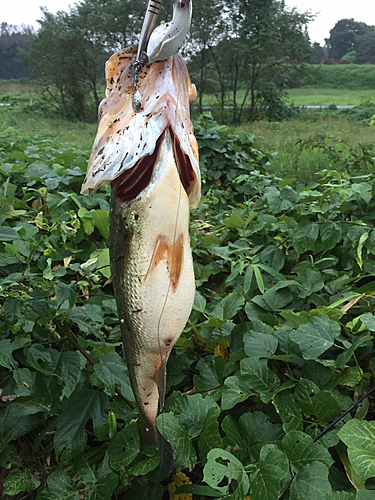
[{"x": 332, "y": 424}]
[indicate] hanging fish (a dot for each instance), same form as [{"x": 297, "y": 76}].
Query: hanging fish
[{"x": 151, "y": 159}]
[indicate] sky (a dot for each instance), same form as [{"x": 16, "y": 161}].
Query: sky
[{"x": 328, "y": 12}]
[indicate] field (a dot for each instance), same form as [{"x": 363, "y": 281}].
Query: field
[{"x": 280, "y": 341}]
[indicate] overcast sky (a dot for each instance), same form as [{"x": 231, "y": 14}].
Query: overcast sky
[{"x": 328, "y": 12}]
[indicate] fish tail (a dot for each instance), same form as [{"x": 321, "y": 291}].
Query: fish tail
[{"x": 154, "y": 439}]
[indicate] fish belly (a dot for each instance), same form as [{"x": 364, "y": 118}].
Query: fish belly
[{"x": 153, "y": 278}]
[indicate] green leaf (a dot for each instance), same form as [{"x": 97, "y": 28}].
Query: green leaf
[
  {"x": 341, "y": 495},
  {"x": 274, "y": 299},
  {"x": 234, "y": 392},
  {"x": 7, "y": 347},
  {"x": 233, "y": 440},
  {"x": 228, "y": 307},
  {"x": 101, "y": 221},
  {"x": 330, "y": 233},
  {"x": 259, "y": 345},
  {"x": 322, "y": 404},
  {"x": 178, "y": 437},
  {"x": 199, "y": 490},
  {"x": 359, "y": 437},
  {"x": 258, "y": 377},
  {"x": 112, "y": 371},
  {"x": 145, "y": 466},
  {"x": 311, "y": 482},
  {"x": 223, "y": 465},
  {"x": 20, "y": 482},
  {"x": 310, "y": 281},
  {"x": 314, "y": 338},
  {"x": 368, "y": 319},
  {"x": 8, "y": 233},
  {"x": 256, "y": 430},
  {"x": 210, "y": 437},
  {"x": 211, "y": 370},
  {"x": 289, "y": 411},
  {"x": 66, "y": 293},
  {"x": 304, "y": 236},
  {"x": 70, "y": 437},
  {"x": 106, "y": 483},
  {"x": 301, "y": 450},
  {"x": 69, "y": 368},
  {"x": 273, "y": 467},
  {"x": 248, "y": 278},
  {"x": 59, "y": 486},
  {"x": 192, "y": 412},
  {"x": 258, "y": 277},
  {"x": 36, "y": 353},
  {"x": 124, "y": 447},
  {"x": 199, "y": 302}
]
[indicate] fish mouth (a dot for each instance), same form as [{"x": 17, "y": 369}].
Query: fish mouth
[{"x": 132, "y": 182}]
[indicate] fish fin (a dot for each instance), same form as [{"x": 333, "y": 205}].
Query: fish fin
[
  {"x": 161, "y": 383},
  {"x": 166, "y": 453},
  {"x": 176, "y": 261}
]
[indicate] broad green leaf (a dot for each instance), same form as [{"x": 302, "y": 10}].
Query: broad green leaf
[
  {"x": 101, "y": 221},
  {"x": 258, "y": 377},
  {"x": 197, "y": 489},
  {"x": 273, "y": 467},
  {"x": 192, "y": 412},
  {"x": 359, "y": 437},
  {"x": 259, "y": 345},
  {"x": 330, "y": 233},
  {"x": 310, "y": 281},
  {"x": 274, "y": 299},
  {"x": 233, "y": 440},
  {"x": 256, "y": 430},
  {"x": 314, "y": 338},
  {"x": 70, "y": 437},
  {"x": 178, "y": 437},
  {"x": 234, "y": 391},
  {"x": 59, "y": 486},
  {"x": 124, "y": 447},
  {"x": 368, "y": 319},
  {"x": 37, "y": 353},
  {"x": 228, "y": 307},
  {"x": 103, "y": 261},
  {"x": 112, "y": 371},
  {"x": 312, "y": 401},
  {"x": 211, "y": 370},
  {"x": 7, "y": 347},
  {"x": 20, "y": 482},
  {"x": 106, "y": 483},
  {"x": 301, "y": 450},
  {"x": 222, "y": 464},
  {"x": 8, "y": 233},
  {"x": 258, "y": 277},
  {"x": 341, "y": 495},
  {"x": 305, "y": 235},
  {"x": 311, "y": 483},
  {"x": 210, "y": 437},
  {"x": 69, "y": 368},
  {"x": 289, "y": 411},
  {"x": 145, "y": 466},
  {"x": 199, "y": 302},
  {"x": 66, "y": 293},
  {"x": 248, "y": 278}
]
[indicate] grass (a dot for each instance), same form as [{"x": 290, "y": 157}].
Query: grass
[{"x": 321, "y": 96}]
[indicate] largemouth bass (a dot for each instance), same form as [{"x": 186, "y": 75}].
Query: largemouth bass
[{"x": 151, "y": 160}]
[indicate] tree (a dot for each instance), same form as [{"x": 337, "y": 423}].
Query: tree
[
  {"x": 264, "y": 42},
  {"x": 13, "y": 38},
  {"x": 365, "y": 46},
  {"x": 343, "y": 37}
]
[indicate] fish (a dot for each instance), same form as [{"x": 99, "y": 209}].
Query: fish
[{"x": 150, "y": 157}]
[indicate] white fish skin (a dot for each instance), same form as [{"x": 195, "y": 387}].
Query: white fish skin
[{"x": 153, "y": 279}]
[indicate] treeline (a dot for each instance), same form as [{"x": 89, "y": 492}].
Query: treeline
[
  {"x": 352, "y": 77},
  {"x": 352, "y": 41},
  {"x": 236, "y": 47},
  {"x": 13, "y": 38},
  {"x": 245, "y": 52}
]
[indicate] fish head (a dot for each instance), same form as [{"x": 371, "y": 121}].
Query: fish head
[{"x": 127, "y": 141}]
